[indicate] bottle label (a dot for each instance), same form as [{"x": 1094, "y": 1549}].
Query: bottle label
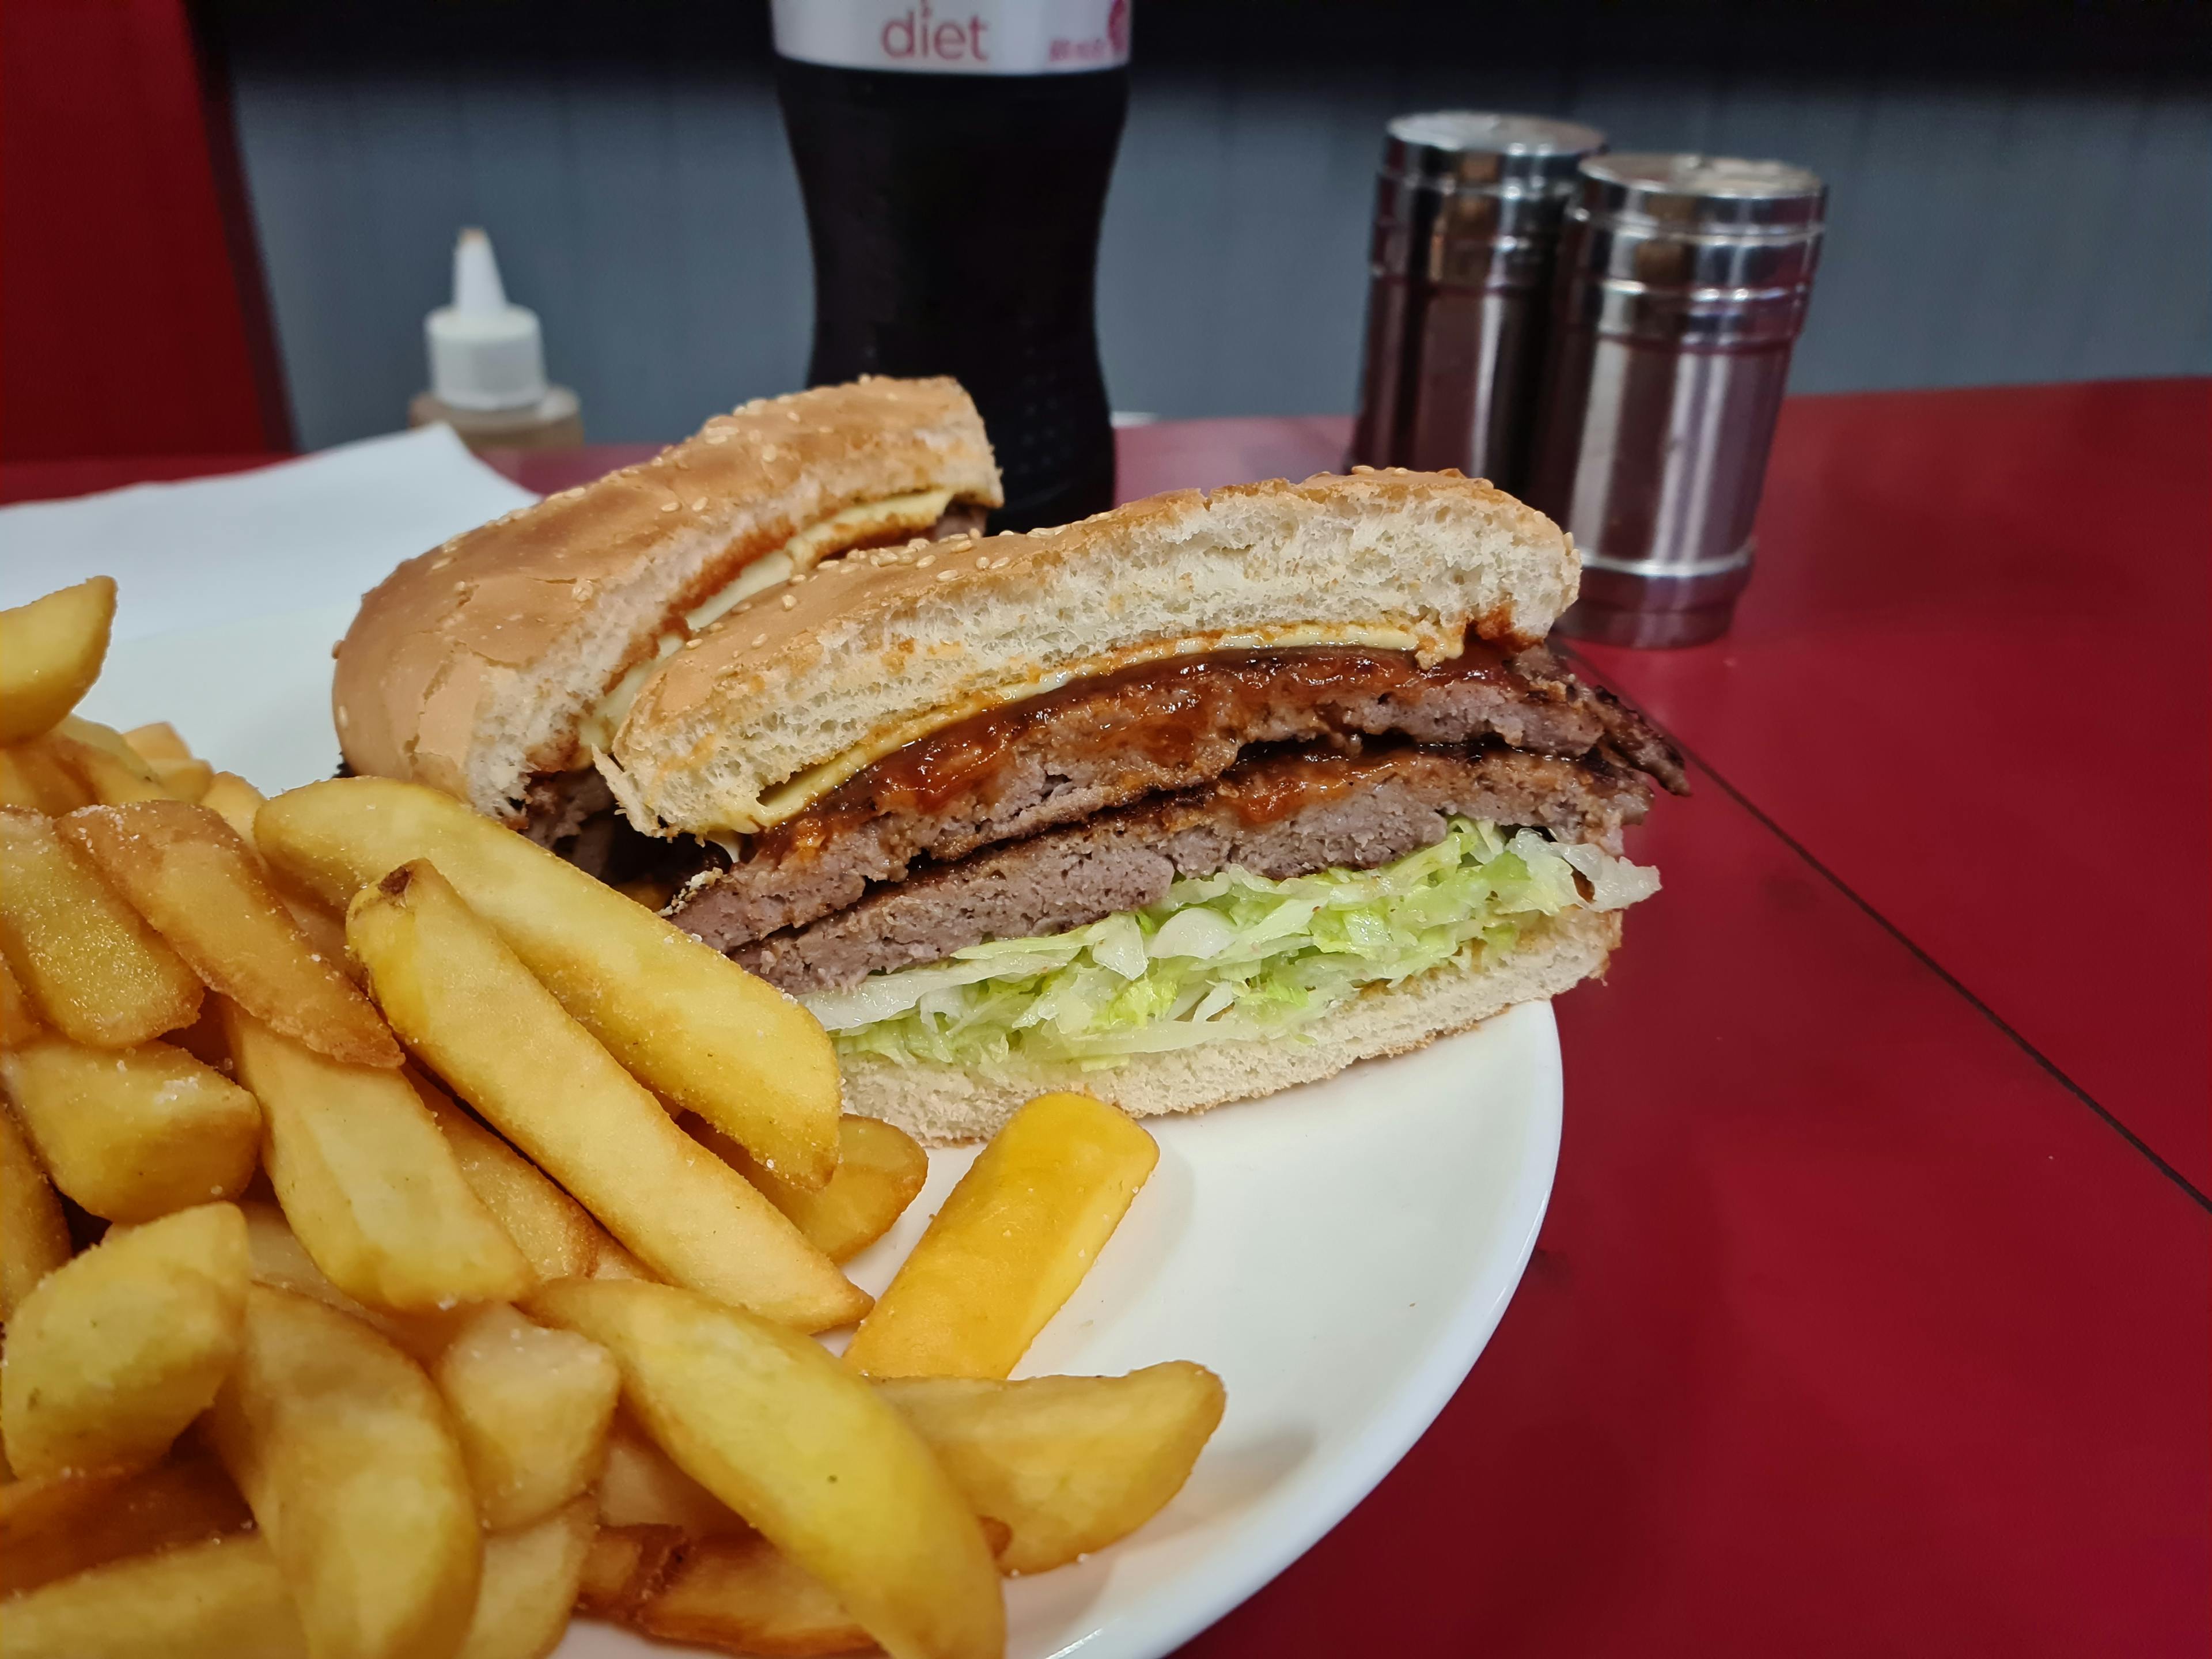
[{"x": 956, "y": 37}]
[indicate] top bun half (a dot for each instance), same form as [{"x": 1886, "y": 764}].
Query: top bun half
[
  {"x": 802, "y": 686},
  {"x": 472, "y": 667}
]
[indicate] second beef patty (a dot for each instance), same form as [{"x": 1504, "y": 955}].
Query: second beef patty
[{"x": 1278, "y": 815}]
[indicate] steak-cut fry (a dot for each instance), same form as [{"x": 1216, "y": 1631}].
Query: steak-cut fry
[
  {"x": 464, "y": 1002},
  {"x": 552, "y": 1229},
  {"x": 368, "y": 1183},
  {"x": 1054, "y": 1467},
  {"x": 186, "y": 779},
  {"x": 1012, "y": 1243},
  {"x": 235, "y": 801},
  {"x": 133, "y": 1134},
  {"x": 642, "y": 1486},
  {"x": 110, "y": 771},
  {"x": 19, "y": 1021},
  {"x": 51, "y": 651},
  {"x": 689, "y": 1023},
  {"x": 282, "y": 1263},
  {"x": 1069, "y": 1464},
  {"x": 187, "y": 872},
  {"x": 615, "y": 1262},
  {"x": 107, "y": 740},
  {"x": 532, "y": 1407},
  {"x": 32, "y": 776},
  {"x": 531, "y": 1577},
  {"x": 224, "y": 1600},
  {"x": 55, "y": 1526},
  {"x": 158, "y": 740},
  {"x": 93, "y": 968},
  {"x": 746, "y": 1595},
  {"x": 33, "y": 1235},
  {"x": 116, "y": 1352},
  {"x": 343, "y": 1451},
  {"x": 770, "y": 1424},
  {"x": 880, "y": 1169},
  {"x": 624, "y": 1566}
]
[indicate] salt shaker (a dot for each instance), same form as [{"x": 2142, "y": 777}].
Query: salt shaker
[
  {"x": 1467, "y": 216},
  {"x": 1682, "y": 286}
]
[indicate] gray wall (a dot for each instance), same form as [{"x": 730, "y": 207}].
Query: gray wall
[{"x": 1985, "y": 228}]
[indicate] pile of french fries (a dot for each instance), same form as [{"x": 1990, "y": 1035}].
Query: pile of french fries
[{"x": 407, "y": 1242}]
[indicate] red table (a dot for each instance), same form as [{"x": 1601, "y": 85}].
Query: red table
[
  {"x": 1870, "y": 1313},
  {"x": 1869, "y": 1316}
]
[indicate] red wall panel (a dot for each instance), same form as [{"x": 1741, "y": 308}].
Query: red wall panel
[{"x": 131, "y": 314}]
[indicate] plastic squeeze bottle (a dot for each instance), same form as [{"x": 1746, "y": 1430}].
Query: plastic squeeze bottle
[{"x": 487, "y": 364}]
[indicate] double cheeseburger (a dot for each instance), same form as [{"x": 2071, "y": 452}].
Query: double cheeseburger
[{"x": 1186, "y": 803}]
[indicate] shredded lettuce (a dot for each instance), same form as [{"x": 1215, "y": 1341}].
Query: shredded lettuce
[{"x": 1227, "y": 956}]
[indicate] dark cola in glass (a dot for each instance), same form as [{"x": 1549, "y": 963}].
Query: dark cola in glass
[{"x": 954, "y": 159}]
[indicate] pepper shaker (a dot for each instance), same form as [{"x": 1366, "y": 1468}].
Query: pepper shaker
[
  {"x": 1682, "y": 285},
  {"x": 1467, "y": 216}
]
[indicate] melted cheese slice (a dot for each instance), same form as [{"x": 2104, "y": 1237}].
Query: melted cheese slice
[{"x": 870, "y": 521}]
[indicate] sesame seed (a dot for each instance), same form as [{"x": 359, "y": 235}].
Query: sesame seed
[
  {"x": 770, "y": 452},
  {"x": 946, "y": 575},
  {"x": 790, "y": 601},
  {"x": 344, "y": 718},
  {"x": 699, "y": 506},
  {"x": 924, "y": 562},
  {"x": 690, "y": 645},
  {"x": 670, "y": 506},
  {"x": 460, "y": 587},
  {"x": 759, "y": 639}
]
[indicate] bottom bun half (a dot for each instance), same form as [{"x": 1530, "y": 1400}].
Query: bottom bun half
[{"x": 940, "y": 1104}]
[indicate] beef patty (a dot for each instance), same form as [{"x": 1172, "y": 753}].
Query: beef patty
[
  {"x": 1102, "y": 744},
  {"x": 1278, "y": 815}
]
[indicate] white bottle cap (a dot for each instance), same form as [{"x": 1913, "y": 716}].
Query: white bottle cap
[{"x": 484, "y": 353}]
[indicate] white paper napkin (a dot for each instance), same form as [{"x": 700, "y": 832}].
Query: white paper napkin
[{"x": 317, "y": 532}]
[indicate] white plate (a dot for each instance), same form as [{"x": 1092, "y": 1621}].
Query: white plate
[{"x": 1338, "y": 1254}]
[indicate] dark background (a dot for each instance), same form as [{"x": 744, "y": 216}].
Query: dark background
[{"x": 2019, "y": 191}]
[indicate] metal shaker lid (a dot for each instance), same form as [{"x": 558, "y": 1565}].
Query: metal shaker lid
[
  {"x": 1721, "y": 195},
  {"x": 1456, "y": 149},
  {"x": 1708, "y": 251}
]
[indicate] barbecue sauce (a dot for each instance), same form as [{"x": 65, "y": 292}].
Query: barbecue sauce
[
  {"x": 1276, "y": 786},
  {"x": 1160, "y": 710}
]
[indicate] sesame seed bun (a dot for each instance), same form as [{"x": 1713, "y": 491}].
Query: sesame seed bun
[
  {"x": 800, "y": 686},
  {"x": 471, "y": 667}
]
